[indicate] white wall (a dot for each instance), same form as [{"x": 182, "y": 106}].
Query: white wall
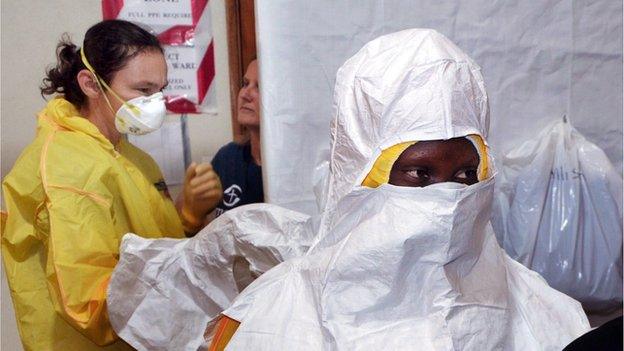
[{"x": 30, "y": 31}]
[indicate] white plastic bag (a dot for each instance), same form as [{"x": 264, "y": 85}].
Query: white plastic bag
[{"x": 559, "y": 213}]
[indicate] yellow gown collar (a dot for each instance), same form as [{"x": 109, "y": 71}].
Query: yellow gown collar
[{"x": 60, "y": 113}]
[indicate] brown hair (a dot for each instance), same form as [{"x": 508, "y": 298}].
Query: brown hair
[{"x": 108, "y": 45}]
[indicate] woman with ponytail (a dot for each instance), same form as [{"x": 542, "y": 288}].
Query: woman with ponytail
[{"x": 80, "y": 186}]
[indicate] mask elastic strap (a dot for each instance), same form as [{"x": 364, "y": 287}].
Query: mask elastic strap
[{"x": 101, "y": 82}]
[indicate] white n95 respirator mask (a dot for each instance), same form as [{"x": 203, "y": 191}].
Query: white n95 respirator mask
[
  {"x": 138, "y": 116},
  {"x": 141, "y": 115}
]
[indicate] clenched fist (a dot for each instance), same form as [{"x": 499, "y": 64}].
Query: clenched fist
[{"x": 201, "y": 194}]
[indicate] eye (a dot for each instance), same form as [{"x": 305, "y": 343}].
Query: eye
[
  {"x": 145, "y": 91},
  {"x": 245, "y": 83},
  {"x": 466, "y": 174},
  {"x": 418, "y": 173}
]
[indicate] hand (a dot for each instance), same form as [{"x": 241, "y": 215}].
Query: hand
[{"x": 201, "y": 194}]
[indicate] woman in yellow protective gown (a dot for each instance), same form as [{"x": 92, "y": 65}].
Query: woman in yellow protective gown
[{"x": 80, "y": 186}]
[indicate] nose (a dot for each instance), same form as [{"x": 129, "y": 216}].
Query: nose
[{"x": 249, "y": 93}]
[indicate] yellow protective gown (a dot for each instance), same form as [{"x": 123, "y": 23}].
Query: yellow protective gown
[{"x": 70, "y": 198}]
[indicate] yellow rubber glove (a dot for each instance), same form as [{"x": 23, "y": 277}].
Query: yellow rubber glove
[{"x": 201, "y": 194}]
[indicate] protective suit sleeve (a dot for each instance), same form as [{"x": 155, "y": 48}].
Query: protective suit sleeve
[
  {"x": 164, "y": 292},
  {"x": 82, "y": 252}
]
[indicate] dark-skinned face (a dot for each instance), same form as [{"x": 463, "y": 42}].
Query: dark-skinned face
[{"x": 436, "y": 161}]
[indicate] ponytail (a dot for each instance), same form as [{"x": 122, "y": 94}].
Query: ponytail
[{"x": 61, "y": 79}]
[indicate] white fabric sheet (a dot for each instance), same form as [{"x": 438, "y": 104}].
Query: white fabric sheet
[{"x": 541, "y": 60}]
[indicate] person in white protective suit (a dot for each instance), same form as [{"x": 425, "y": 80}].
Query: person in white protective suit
[{"x": 404, "y": 256}]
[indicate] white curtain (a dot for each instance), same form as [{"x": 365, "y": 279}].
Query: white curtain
[{"x": 540, "y": 59}]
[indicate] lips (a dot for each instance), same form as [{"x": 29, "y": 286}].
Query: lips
[{"x": 243, "y": 108}]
